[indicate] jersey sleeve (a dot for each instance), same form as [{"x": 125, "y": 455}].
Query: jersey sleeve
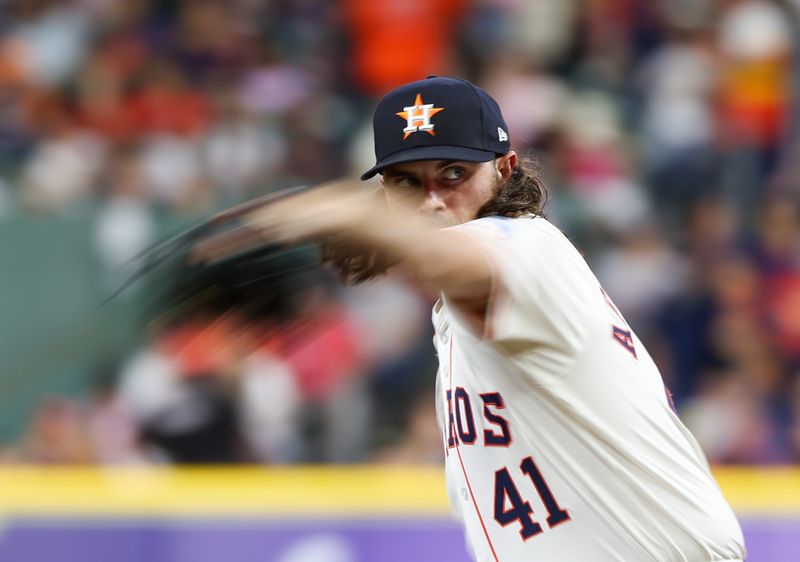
[{"x": 542, "y": 288}]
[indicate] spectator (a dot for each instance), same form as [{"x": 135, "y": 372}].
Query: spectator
[
  {"x": 57, "y": 435},
  {"x": 386, "y": 54}
]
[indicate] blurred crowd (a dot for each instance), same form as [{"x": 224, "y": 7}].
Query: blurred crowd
[{"x": 666, "y": 132}]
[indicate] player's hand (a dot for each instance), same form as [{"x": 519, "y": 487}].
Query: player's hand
[{"x": 339, "y": 207}]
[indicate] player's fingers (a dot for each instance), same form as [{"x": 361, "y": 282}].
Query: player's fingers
[
  {"x": 335, "y": 207},
  {"x": 299, "y": 217},
  {"x": 225, "y": 245}
]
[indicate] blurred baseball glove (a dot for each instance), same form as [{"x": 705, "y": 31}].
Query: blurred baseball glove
[{"x": 223, "y": 265}]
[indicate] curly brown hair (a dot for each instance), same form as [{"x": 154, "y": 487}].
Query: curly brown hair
[{"x": 522, "y": 193}]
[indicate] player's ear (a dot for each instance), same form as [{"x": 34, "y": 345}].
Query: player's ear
[
  {"x": 383, "y": 189},
  {"x": 505, "y": 165}
]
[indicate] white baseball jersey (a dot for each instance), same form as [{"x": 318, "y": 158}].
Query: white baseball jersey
[{"x": 561, "y": 443}]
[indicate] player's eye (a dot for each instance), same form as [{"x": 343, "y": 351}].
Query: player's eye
[
  {"x": 453, "y": 173},
  {"x": 403, "y": 181}
]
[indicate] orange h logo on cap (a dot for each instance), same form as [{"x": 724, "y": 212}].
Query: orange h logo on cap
[{"x": 418, "y": 117}]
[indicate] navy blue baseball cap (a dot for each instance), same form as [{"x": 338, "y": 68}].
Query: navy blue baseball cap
[{"x": 438, "y": 118}]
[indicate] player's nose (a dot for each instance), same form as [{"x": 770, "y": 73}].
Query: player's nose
[{"x": 432, "y": 203}]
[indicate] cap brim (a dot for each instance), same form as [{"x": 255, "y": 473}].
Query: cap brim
[{"x": 458, "y": 153}]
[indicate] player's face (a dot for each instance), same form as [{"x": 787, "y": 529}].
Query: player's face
[{"x": 450, "y": 192}]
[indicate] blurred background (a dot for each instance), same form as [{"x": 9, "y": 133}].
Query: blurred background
[{"x": 667, "y": 132}]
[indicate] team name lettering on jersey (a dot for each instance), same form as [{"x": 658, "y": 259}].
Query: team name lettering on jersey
[
  {"x": 625, "y": 339},
  {"x": 623, "y": 336},
  {"x": 461, "y": 420}
]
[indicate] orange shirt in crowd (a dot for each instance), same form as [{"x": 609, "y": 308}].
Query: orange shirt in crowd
[
  {"x": 755, "y": 100},
  {"x": 398, "y": 41}
]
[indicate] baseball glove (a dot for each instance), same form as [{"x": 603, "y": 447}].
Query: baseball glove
[{"x": 223, "y": 265}]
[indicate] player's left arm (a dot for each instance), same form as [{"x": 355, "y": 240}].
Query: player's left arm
[{"x": 443, "y": 259}]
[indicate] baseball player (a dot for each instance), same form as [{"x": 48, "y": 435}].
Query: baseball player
[{"x": 560, "y": 440}]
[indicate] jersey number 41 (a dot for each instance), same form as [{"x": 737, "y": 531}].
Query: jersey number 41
[{"x": 509, "y": 507}]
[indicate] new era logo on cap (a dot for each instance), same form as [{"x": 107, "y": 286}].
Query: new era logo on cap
[{"x": 459, "y": 120}]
